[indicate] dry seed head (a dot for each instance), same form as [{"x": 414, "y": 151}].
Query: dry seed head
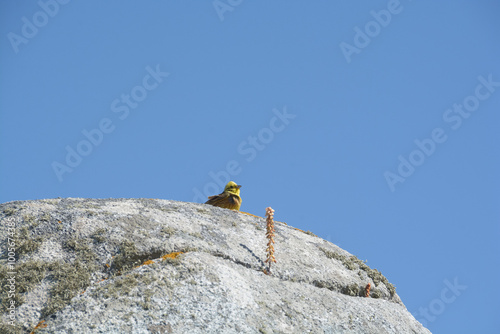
[
  {"x": 367, "y": 290},
  {"x": 270, "y": 237}
]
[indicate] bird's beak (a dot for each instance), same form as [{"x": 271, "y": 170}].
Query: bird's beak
[{"x": 239, "y": 186}]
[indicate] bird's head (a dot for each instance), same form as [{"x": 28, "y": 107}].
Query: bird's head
[{"x": 232, "y": 187}]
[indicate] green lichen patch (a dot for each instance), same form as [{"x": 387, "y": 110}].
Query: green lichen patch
[
  {"x": 375, "y": 294},
  {"x": 168, "y": 231},
  {"x": 324, "y": 284},
  {"x": 129, "y": 256},
  {"x": 30, "y": 219},
  {"x": 160, "y": 329},
  {"x": 6, "y": 291},
  {"x": 378, "y": 278},
  {"x": 9, "y": 211},
  {"x": 26, "y": 276},
  {"x": 71, "y": 279},
  {"x": 351, "y": 290},
  {"x": 202, "y": 210},
  {"x": 90, "y": 213},
  {"x": 310, "y": 233},
  {"x": 353, "y": 263},
  {"x": 306, "y": 232},
  {"x": 82, "y": 249},
  {"x": 7, "y": 328},
  {"x": 26, "y": 244},
  {"x": 146, "y": 299},
  {"x": 174, "y": 261},
  {"x": 119, "y": 286},
  {"x": 124, "y": 285},
  {"x": 68, "y": 279},
  {"x": 339, "y": 257},
  {"x": 45, "y": 217},
  {"x": 99, "y": 235}
]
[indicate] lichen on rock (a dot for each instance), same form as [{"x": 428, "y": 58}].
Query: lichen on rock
[{"x": 145, "y": 265}]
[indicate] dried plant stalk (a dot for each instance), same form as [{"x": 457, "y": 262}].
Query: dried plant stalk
[
  {"x": 367, "y": 290},
  {"x": 270, "y": 238}
]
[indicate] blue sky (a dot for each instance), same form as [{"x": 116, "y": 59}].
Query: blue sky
[{"x": 373, "y": 124}]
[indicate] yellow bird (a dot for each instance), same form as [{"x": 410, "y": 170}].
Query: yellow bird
[{"x": 229, "y": 198}]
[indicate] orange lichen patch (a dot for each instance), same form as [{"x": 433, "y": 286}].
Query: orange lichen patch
[
  {"x": 164, "y": 257},
  {"x": 246, "y": 213},
  {"x": 107, "y": 265},
  {"x": 171, "y": 255},
  {"x": 102, "y": 280},
  {"x": 60, "y": 222},
  {"x": 298, "y": 229},
  {"x": 147, "y": 262},
  {"x": 83, "y": 292},
  {"x": 41, "y": 324}
]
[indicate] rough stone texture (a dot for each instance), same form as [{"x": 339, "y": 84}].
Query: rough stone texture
[{"x": 99, "y": 266}]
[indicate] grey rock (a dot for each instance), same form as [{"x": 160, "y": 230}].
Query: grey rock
[{"x": 113, "y": 266}]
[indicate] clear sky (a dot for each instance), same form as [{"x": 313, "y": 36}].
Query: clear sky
[{"x": 373, "y": 124}]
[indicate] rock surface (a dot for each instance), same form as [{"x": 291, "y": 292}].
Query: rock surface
[{"x": 159, "y": 266}]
